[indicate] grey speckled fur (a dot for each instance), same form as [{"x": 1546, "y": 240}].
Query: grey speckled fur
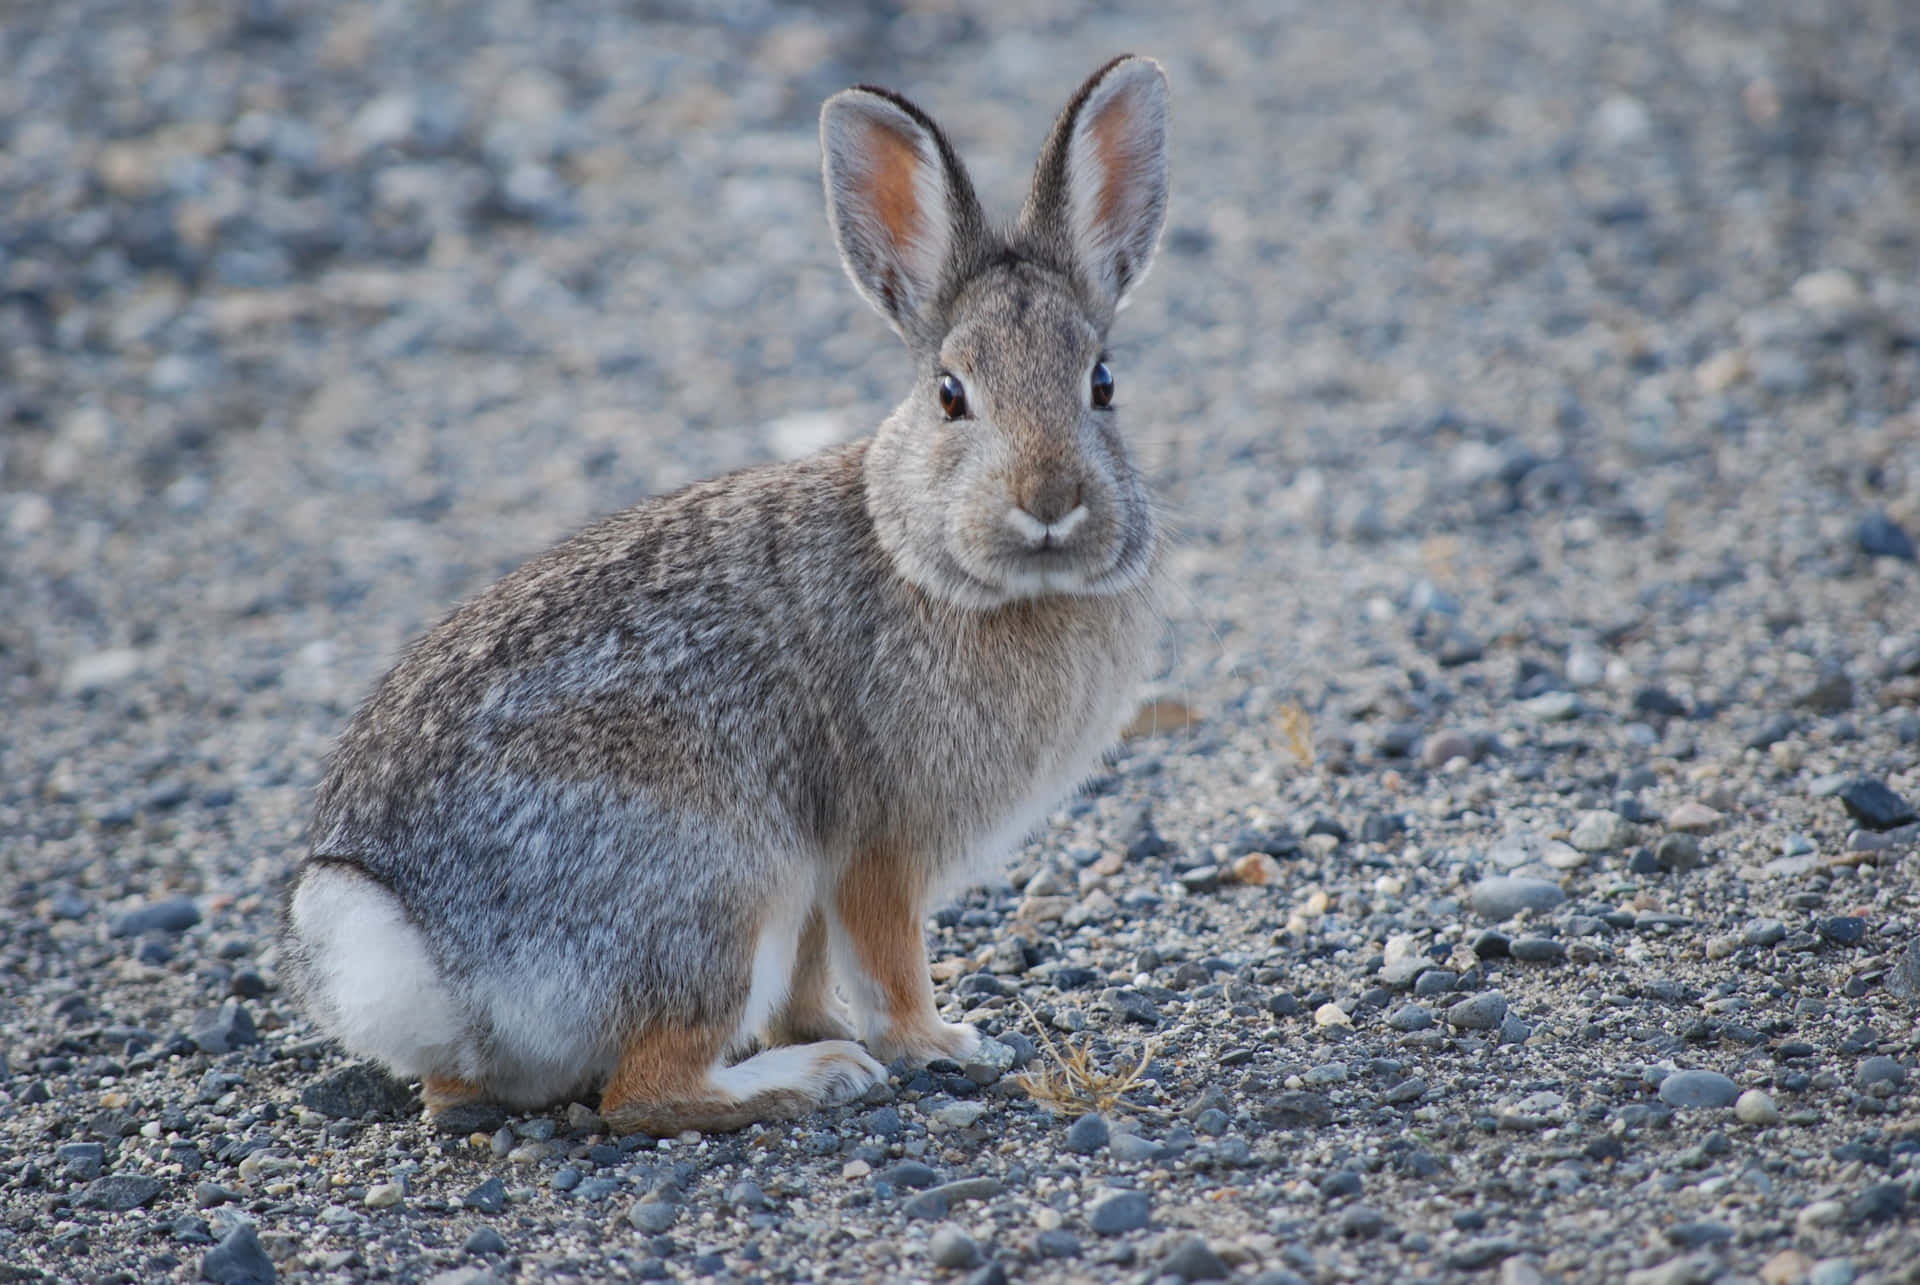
[{"x": 588, "y": 784}]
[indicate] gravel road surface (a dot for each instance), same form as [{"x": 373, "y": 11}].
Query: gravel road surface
[{"x": 1516, "y": 878}]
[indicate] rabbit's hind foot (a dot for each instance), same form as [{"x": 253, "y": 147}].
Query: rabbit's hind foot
[
  {"x": 671, "y": 1080},
  {"x": 441, "y": 1092}
]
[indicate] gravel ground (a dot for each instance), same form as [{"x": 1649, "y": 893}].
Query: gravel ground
[{"x": 1530, "y": 895}]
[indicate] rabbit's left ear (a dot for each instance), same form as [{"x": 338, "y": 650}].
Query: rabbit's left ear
[
  {"x": 1099, "y": 194},
  {"x": 901, "y": 206}
]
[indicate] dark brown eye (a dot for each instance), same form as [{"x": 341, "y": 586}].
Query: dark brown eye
[
  {"x": 1102, "y": 385},
  {"x": 953, "y": 397}
]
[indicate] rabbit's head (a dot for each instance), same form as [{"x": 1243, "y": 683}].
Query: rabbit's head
[{"x": 1003, "y": 476}]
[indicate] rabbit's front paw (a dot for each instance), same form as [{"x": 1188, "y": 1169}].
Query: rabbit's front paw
[{"x": 926, "y": 1041}]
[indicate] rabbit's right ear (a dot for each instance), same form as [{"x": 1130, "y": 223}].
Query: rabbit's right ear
[
  {"x": 900, "y": 204},
  {"x": 1099, "y": 193}
]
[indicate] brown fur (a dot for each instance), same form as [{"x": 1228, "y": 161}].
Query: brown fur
[
  {"x": 880, "y": 904},
  {"x": 443, "y": 1091},
  {"x": 663, "y": 1086}
]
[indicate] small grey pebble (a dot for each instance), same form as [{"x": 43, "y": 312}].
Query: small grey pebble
[
  {"x": 1879, "y": 1070},
  {"x": 1707, "y": 1090},
  {"x": 1537, "y": 950},
  {"x": 652, "y": 1217},
  {"x": 1501, "y": 897},
  {"x": 1087, "y": 1134},
  {"x": 1131, "y": 1148},
  {"x": 1677, "y": 852},
  {"x": 951, "y": 1248},
  {"x": 1435, "y": 981},
  {"x": 1190, "y": 1259},
  {"x": 746, "y": 1194},
  {"x": 490, "y": 1197},
  {"x": 1482, "y": 1012},
  {"x": 239, "y": 1259},
  {"x": 83, "y": 1161},
  {"x": 172, "y": 916},
  {"x": 1339, "y": 1184},
  {"x": 1122, "y": 1212},
  {"x": 120, "y": 1192},
  {"x": 1411, "y": 1017},
  {"x": 485, "y": 1240},
  {"x": 1058, "y": 1243},
  {"x": 1832, "y": 1271}
]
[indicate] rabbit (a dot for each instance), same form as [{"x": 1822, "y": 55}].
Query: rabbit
[{"x": 623, "y": 820}]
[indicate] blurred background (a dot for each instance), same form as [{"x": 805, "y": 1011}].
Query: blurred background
[{"x": 315, "y": 317}]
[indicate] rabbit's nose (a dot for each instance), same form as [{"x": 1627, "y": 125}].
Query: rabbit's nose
[{"x": 1051, "y": 500}]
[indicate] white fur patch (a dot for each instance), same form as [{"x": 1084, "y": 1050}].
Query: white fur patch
[
  {"x": 375, "y": 984},
  {"x": 1035, "y": 532},
  {"x": 774, "y": 953},
  {"x": 831, "y": 1072}
]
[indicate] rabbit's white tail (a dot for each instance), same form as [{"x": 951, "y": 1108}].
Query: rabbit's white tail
[{"x": 369, "y": 977}]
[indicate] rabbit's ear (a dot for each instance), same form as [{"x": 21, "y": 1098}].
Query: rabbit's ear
[
  {"x": 900, "y": 204},
  {"x": 1100, "y": 191}
]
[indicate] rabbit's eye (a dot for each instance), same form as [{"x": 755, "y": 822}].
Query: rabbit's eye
[
  {"x": 953, "y": 397},
  {"x": 1102, "y": 385}
]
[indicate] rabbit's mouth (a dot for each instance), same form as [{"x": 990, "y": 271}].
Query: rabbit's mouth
[{"x": 1040, "y": 561}]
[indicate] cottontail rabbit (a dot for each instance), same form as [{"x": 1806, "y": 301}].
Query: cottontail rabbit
[{"x": 626, "y": 815}]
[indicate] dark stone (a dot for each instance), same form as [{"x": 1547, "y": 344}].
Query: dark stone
[
  {"x": 1122, "y": 1212},
  {"x": 1381, "y": 827},
  {"x": 119, "y": 1192},
  {"x": 1485, "y": 1252},
  {"x": 82, "y": 1161},
  {"x": 1058, "y": 1243},
  {"x": 1132, "y": 1005},
  {"x": 1831, "y": 693},
  {"x": 1874, "y": 805},
  {"x": 1088, "y": 1134},
  {"x": 1140, "y": 836},
  {"x": 1777, "y": 728},
  {"x": 359, "y": 1092},
  {"x": 1660, "y": 702},
  {"x": 1362, "y": 1222},
  {"x": 1284, "y": 1004},
  {"x": 1538, "y": 950},
  {"x": 1295, "y": 1108},
  {"x": 1698, "y": 1235},
  {"x": 1903, "y": 979},
  {"x": 979, "y": 984},
  {"x": 1340, "y": 1183},
  {"x": 1327, "y": 825},
  {"x": 1880, "y": 1201},
  {"x": 1191, "y": 1260},
  {"x": 224, "y": 1029},
  {"x": 486, "y": 1241},
  {"x": 908, "y": 1173},
  {"x": 1881, "y": 537},
  {"x": 1843, "y": 930},
  {"x": 1643, "y": 862},
  {"x": 1492, "y": 944},
  {"x": 175, "y": 915},
  {"x": 490, "y": 1197},
  {"x": 239, "y": 1259},
  {"x": 1275, "y": 841}
]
